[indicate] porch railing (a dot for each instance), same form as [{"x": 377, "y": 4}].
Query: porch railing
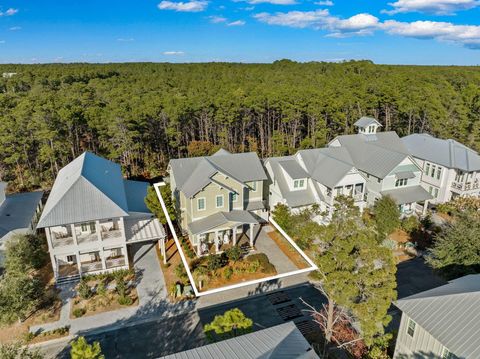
[
  {"x": 92, "y": 237},
  {"x": 117, "y": 233},
  {"x": 91, "y": 266},
  {"x": 67, "y": 270},
  {"x": 61, "y": 241},
  {"x": 115, "y": 262},
  {"x": 465, "y": 186}
]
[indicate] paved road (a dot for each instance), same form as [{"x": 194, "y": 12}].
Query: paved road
[{"x": 169, "y": 335}]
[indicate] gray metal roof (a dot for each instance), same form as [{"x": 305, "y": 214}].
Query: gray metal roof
[
  {"x": 450, "y": 313},
  {"x": 366, "y": 121},
  {"x": 90, "y": 188},
  {"x": 219, "y": 219},
  {"x": 405, "y": 175},
  {"x": 377, "y": 155},
  {"x": 17, "y": 212},
  {"x": 141, "y": 227},
  {"x": 448, "y": 153},
  {"x": 327, "y": 166},
  {"x": 294, "y": 198},
  {"x": 402, "y": 195},
  {"x": 283, "y": 341},
  {"x": 293, "y": 169},
  {"x": 193, "y": 174}
]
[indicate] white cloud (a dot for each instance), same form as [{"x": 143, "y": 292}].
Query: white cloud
[
  {"x": 236, "y": 23},
  {"x": 324, "y": 3},
  {"x": 322, "y": 20},
  {"x": 468, "y": 35},
  {"x": 438, "y": 7},
  {"x": 15, "y": 28},
  {"x": 9, "y": 12},
  {"x": 366, "y": 24},
  {"x": 125, "y": 39},
  {"x": 217, "y": 19},
  {"x": 2, "y": 41},
  {"x": 188, "y": 6},
  {"x": 174, "y": 53},
  {"x": 274, "y": 2}
]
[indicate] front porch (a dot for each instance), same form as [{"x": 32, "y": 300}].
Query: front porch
[{"x": 407, "y": 199}]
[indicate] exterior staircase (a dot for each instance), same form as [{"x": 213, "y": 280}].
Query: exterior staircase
[{"x": 67, "y": 280}]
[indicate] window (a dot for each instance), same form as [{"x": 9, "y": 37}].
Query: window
[
  {"x": 297, "y": 184},
  {"x": 70, "y": 259},
  {"x": 411, "y": 327},
  {"x": 430, "y": 189},
  {"x": 433, "y": 171},
  {"x": 201, "y": 204},
  {"x": 84, "y": 227},
  {"x": 92, "y": 227},
  {"x": 219, "y": 201},
  {"x": 439, "y": 172},
  {"x": 401, "y": 182},
  {"x": 446, "y": 354},
  {"x": 427, "y": 168},
  {"x": 234, "y": 197},
  {"x": 435, "y": 193}
]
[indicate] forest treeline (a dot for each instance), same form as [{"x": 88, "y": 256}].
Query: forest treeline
[{"x": 143, "y": 114}]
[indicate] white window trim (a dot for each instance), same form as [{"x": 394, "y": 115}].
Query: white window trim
[
  {"x": 204, "y": 204},
  {"x": 410, "y": 320},
  {"x": 234, "y": 197},
  {"x": 298, "y": 181},
  {"x": 216, "y": 201}
]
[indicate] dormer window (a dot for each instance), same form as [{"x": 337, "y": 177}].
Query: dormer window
[{"x": 299, "y": 184}]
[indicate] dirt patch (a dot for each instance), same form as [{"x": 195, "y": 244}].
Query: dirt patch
[
  {"x": 401, "y": 237},
  {"x": 50, "y": 335},
  {"x": 288, "y": 250}
]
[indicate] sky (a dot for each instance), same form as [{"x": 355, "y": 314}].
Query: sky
[{"x": 423, "y": 32}]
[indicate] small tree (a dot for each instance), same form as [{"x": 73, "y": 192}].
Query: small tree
[
  {"x": 214, "y": 262},
  {"x": 25, "y": 252},
  {"x": 233, "y": 253},
  {"x": 17, "y": 351},
  {"x": 82, "y": 350},
  {"x": 231, "y": 324},
  {"x": 201, "y": 148},
  {"x": 387, "y": 216},
  {"x": 153, "y": 203},
  {"x": 456, "y": 249},
  {"x": 84, "y": 290},
  {"x": 282, "y": 215}
]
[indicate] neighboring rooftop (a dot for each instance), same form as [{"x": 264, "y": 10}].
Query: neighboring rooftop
[
  {"x": 448, "y": 153},
  {"x": 283, "y": 341},
  {"x": 91, "y": 188},
  {"x": 377, "y": 154},
  {"x": 17, "y": 212},
  {"x": 193, "y": 174},
  {"x": 450, "y": 313},
  {"x": 366, "y": 121}
]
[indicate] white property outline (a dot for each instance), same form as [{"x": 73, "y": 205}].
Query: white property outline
[{"x": 233, "y": 286}]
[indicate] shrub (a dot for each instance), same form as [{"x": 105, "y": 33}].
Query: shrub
[
  {"x": 228, "y": 272},
  {"x": 232, "y": 323},
  {"x": 125, "y": 300},
  {"x": 253, "y": 266},
  {"x": 387, "y": 216},
  {"x": 180, "y": 272},
  {"x": 84, "y": 290},
  {"x": 101, "y": 289},
  {"x": 410, "y": 224},
  {"x": 233, "y": 253},
  {"x": 78, "y": 312},
  {"x": 82, "y": 350},
  {"x": 390, "y": 244},
  {"x": 260, "y": 257},
  {"x": 215, "y": 261},
  {"x": 121, "y": 287},
  {"x": 186, "y": 248}
]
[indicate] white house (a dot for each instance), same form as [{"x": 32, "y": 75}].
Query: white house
[
  {"x": 449, "y": 169},
  {"x": 443, "y": 322},
  {"x": 386, "y": 164},
  {"x": 92, "y": 215},
  {"x": 19, "y": 214}
]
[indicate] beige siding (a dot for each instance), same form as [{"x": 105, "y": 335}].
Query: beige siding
[{"x": 422, "y": 343}]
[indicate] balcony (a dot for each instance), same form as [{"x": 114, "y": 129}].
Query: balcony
[
  {"x": 86, "y": 238},
  {"x": 61, "y": 239},
  {"x": 358, "y": 197},
  {"x": 113, "y": 262},
  {"x": 67, "y": 270},
  {"x": 460, "y": 186},
  {"x": 114, "y": 233},
  {"x": 91, "y": 266}
]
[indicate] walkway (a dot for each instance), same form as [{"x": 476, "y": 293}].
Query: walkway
[{"x": 153, "y": 300}]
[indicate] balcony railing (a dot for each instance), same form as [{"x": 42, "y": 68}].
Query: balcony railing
[
  {"x": 465, "y": 186},
  {"x": 91, "y": 266},
  {"x": 357, "y": 197},
  {"x": 115, "y": 262},
  {"x": 60, "y": 241},
  {"x": 117, "y": 233},
  {"x": 85, "y": 238},
  {"x": 67, "y": 270}
]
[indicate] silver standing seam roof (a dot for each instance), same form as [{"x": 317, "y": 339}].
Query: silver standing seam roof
[
  {"x": 193, "y": 174},
  {"x": 402, "y": 195},
  {"x": 448, "y": 153},
  {"x": 450, "y": 313},
  {"x": 219, "y": 219},
  {"x": 91, "y": 188},
  {"x": 366, "y": 121},
  {"x": 283, "y": 341},
  {"x": 376, "y": 154}
]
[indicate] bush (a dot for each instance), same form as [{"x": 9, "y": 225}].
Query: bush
[
  {"x": 84, "y": 290},
  {"x": 101, "y": 289},
  {"x": 215, "y": 261},
  {"x": 180, "y": 272},
  {"x": 121, "y": 287},
  {"x": 390, "y": 244},
  {"x": 410, "y": 224},
  {"x": 260, "y": 257},
  {"x": 387, "y": 216},
  {"x": 253, "y": 266},
  {"x": 228, "y": 272},
  {"x": 125, "y": 300},
  {"x": 78, "y": 312},
  {"x": 233, "y": 253},
  {"x": 232, "y": 323},
  {"x": 82, "y": 350},
  {"x": 186, "y": 248}
]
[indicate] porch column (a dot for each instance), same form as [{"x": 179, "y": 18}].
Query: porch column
[
  {"x": 251, "y": 235},
  {"x": 74, "y": 234},
  {"x": 98, "y": 230},
  {"x": 199, "y": 245},
  {"x": 49, "y": 239},
  {"x": 53, "y": 259},
  {"x": 234, "y": 231},
  {"x": 425, "y": 206},
  {"x": 162, "y": 247},
  {"x": 79, "y": 266},
  {"x": 102, "y": 258},
  {"x": 216, "y": 242}
]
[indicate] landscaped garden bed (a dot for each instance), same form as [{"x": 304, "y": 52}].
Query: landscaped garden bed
[
  {"x": 103, "y": 293},
  {"x": 288, "y": 249},
  {"x": 33, "y": 338}
]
